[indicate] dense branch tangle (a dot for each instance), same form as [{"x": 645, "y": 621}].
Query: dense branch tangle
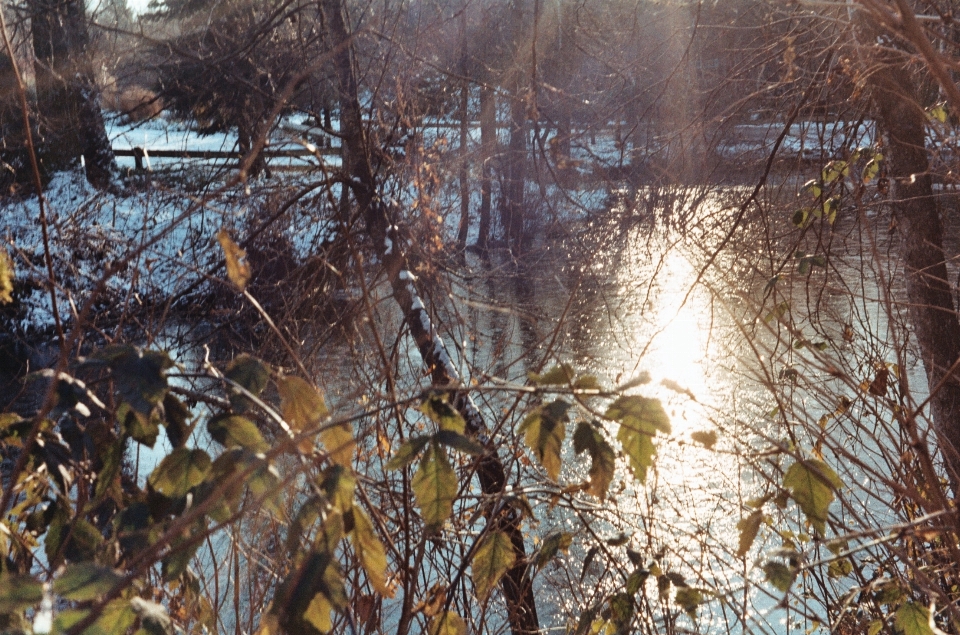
[{"x": 517, "y": 589}]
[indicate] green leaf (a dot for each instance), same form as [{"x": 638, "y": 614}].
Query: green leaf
[
  {"x": 116, "y": 619},
  {"x": 888, "y": 593},
  {"x": 305, "y": 518},
  {"x": 554, "y": 543},
  {"x": 811, "y": 484},
  {"x": 813, "y": 187},
  {"x": 801, "y": 217},
  {"x": 143, "y": 429},
  {"x": 339, "y": 485},
  {"x": 913, "y": 619},
  {"x": 938, "y": 113},
  {"x": 587, "y": 382},
  {"x": 458, "y": 442},
  {"x": 439, "y": 410},
  {"x": 178, "y": 559},
  {"x": 85, "y": 581},
  {"x": 635, "y": 581},
  {"x": 139, "y": 376},
  {"x": 875, "y": 627},
  {"x": 640, "y": 419},
  {"x": 370, "y": 552},
  {"x": 840, "y": 568},
  {"x": 493, "y": 558},
  {"x": 642, "y": 413},
  {"x": 407, "y": 453},
  {"x": 778, "y": 312},
  {"x": 603, "y": 458},
  {"x": 779, "y": 575},
  {"x": 447, "y": 623},
  {"x": 622, "y": 609},
  {"x": 266, "y": 487},
  {"x": 252, "y": 374},
  {"x": 544, "y": 430},
  {"x": 83, "y": 542},
  {"x": 234, "y": 431},
  {"x": 558, "y": 375},
  {"x": 707, "y": 438},
  {"x": 872, "y": 168},
  {"x": 689, "y": 598},
  {"x": 18, "y": 592},
  {"x": 830, "y": 208},
  {"x": 13, "y": 427},
  {"x": 308, "y": 595},
  {"x": 835, "y": 170},
  {"x": 179, "y": 471},
  {"x": 112, "y": 457},
  {"x": 748, "y": 528},
  {"x": 435, "y": 487},
  {"x": 641, "y": 379}
]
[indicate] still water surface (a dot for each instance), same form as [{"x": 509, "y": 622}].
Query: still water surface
[{"x": 724, "y": 360}]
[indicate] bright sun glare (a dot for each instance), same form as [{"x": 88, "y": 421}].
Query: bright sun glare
[{"x": 679, "y": 331}]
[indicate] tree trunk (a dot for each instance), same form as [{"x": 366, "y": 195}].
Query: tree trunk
[
  {"x": 354, "y": 151},
  {"x": 512, "y": 205},
  {"x": 488, "y": 143},
  {"x": 14, "y": 162},
  {"x": 71, "y": 123},
  {"x": 931, "y": 309},
  {"x": 464, "y": 138},
  {"x": 516, "y": 584},
  {"x": 463, "y": 175}
]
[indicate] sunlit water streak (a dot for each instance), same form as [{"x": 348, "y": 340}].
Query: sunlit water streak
[{"x": 638, "y": 310}]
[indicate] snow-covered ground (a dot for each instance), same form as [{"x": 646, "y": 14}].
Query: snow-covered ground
[{"x": 164, "y": 233}]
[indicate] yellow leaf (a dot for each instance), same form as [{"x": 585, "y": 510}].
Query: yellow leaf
[
  {"x": 448, "y": 623},
  {"x": 269, "y": 625},
  {"x": 6, "y": 277},
  {"x": 370, "y": 551},
  {"x": 301, "y": 406},
  {"x": 544, "y": 430},
  {"x": 338, "y": 440},
  {"x": 493, "y": 559},
  {"x": 237, "y": 268},
  {"x": 435, "y": 487},
  {"x": 318, "y": 613},
  {"x": 748, "y": 528}
]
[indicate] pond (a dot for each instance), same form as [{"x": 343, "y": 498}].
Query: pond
[
  {"x": 754, "y": 373},
  {"x": 757, "y": 360}
]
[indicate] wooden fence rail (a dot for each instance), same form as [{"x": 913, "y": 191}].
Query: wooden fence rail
[{"x": 139, "y": 153}]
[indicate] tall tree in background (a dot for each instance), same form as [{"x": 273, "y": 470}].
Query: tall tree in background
[
  {"x": 71, "y": 122},
  {"x": 902, "y": 120},
  {"x": 14, "y": 161},
  {"x": 517, "y": 84}
]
